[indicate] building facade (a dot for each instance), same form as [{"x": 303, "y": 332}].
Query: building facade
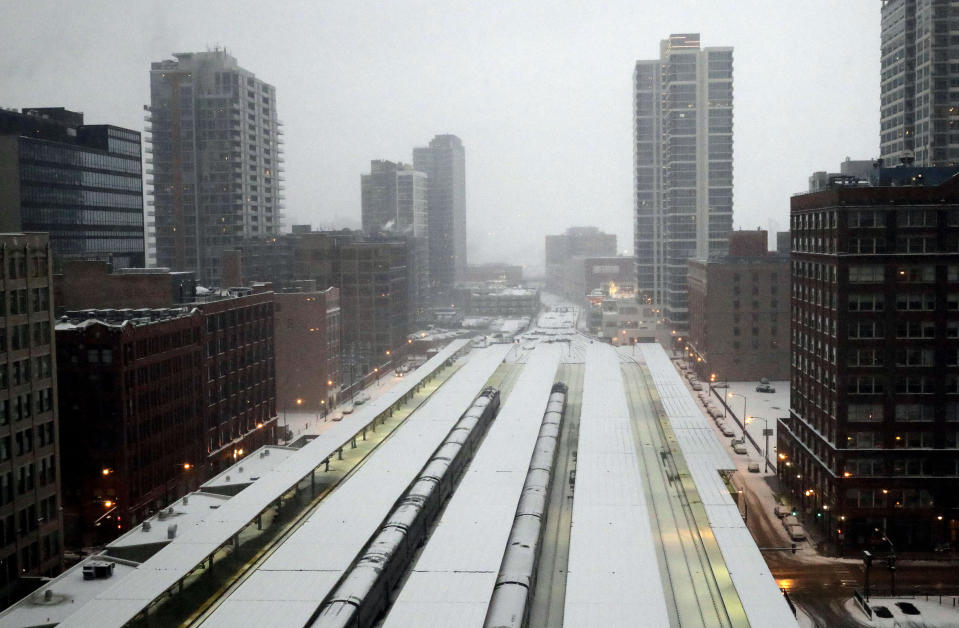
[
  {"x": 394, "y": 202},
  {"x": 919, "y": 85},
  {"x": 307, "y": 335},
  {"x": 132, "y": 392},
  {"x": 239, "y": 385},
  {"x": 872, "y": 441},
  {"x": 84, "y": 285},
  {"x": 682, "y": 165},
  {"x": 444, "y": 162},
  {"x": 80, "y": 183},
  {"x": 739, "y": 311},
  {"x": 31, "y": 525},
  {"x": 218, "y": 160},
  {"x": 563, "y": 250}
]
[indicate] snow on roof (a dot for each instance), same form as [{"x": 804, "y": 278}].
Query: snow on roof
[
  {"x": 330, "y": 539},
  {"x": 183, "y": 514},
  {"x": 68, "y": 592},
  {"x": 467, "y": 545},
  {"x": 611, "y": 553},
  {"x": 705, "y": 457},
  {"x": 250, "y": 468},
  {"x": 119, "y": 604}
]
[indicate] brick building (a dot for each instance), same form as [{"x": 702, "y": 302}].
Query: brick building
[
  {"x": 739, "y": 311},
  {"x": 30, "y": 522},
  {"x": 307, "y": 336},
  {"x": 240, "y": 381},
  {"x": 84, "y": 285},
  {"x": 872, "y": 440},
  {"x": 131, "y": 390}
]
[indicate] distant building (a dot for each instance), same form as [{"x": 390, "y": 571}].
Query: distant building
[
  {"x": 444, "y": 162},
  {"x": 218, "y": 156},
  {"x": 508, "y": 274},
  {"x": 31, "y": 542},
  {"x": 682, "y": 166},
  {"x": 84, "y": 285},
  {"x": 132, "y": 390},
  {"x": 496, "y": 301},
  {"x": 919, "y": 50},
  {"x": 872, "y": 439},
  {"x": 373, "y": 276},
  {"x": 394, "y": 202},
  {"x": 307, "y": 335},
  {"x": 577, "y": 242},
  {"x": 851, "y": 172},
  {"x": 80, "y": 183},
  {"x": 783, "y": 242},
  {"x": 739, "y": 311}
]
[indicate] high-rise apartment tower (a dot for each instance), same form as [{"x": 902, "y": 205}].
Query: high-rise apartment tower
[
  {"x": 919, "y": 112},
  {"x": 683, "y": 165},
  {"x": 444, "y": 161},
  {"x": 218, "y": 160}
]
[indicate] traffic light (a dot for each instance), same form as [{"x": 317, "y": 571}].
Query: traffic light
[{"x": 795, "y": 512}]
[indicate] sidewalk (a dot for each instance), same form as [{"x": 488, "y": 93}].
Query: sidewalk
[{"x": 314, "y": 423}]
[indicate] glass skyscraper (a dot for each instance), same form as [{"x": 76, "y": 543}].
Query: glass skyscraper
[
  {"x": 683, "y": 166},
  {"x": 919, "y": 111}
]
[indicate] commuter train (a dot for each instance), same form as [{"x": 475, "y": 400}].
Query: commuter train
[
  {"x": 363, "y": 593},
  {"x": 510, "y": 603}
]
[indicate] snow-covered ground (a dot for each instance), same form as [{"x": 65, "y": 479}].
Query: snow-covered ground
[
  {"x": 769, "y": 406},
  {"x": 314, "y": 423}
]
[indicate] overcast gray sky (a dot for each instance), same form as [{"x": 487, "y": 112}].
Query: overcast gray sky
[{"x": 539, "y": 91}]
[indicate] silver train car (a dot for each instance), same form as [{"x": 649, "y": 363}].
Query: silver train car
[
  {"x": 510, "y": 602},
  {"x": 363, "y": 593}
]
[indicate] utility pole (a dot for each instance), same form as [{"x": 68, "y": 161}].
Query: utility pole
[{"x": 867, "y": 563}]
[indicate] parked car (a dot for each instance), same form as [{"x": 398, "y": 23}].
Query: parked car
[
  {"x": 697, "y": 386},
  {"x": 348, "y": 409},
  {"x": 337, "y": 416},
  {"x": 726, "y": 431},
  {"x": 790, "y": 520},
  {"x": 753, "y": 467},
  {"x": 796, "y": 533},
  {"x": 739, "y": 448},
  {"x": 882, "y": 611},
  {"x": 908, "y": 608},
  {"x": 782, "y": 511},
  {"x": 765, "y": 388}
]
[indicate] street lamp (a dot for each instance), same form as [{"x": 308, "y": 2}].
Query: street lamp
[
  {"x": 767, "y": 433},
  {"x": 741, "y": 424}
]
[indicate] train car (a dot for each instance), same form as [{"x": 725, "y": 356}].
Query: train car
[
  {"x": 509, "y": 604},
  {"x": 363, "y": 593}
]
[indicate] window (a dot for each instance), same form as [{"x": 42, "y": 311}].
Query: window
[
  {"x": 914, "y": 413},
  {"x": 863, "y": 440},
  {"x": 865, "y": 329},
  {"x": 869, "y": 302},
  {"x": 865, "y": 357},
  {"x": 865, "y": 412},
  {"x": 916, "y": 329},
  {"x": 915, "y": 357},
  {"x": 866, "y": 273},
  {"x": 916, "y": 274},
  {"x": 915, "y": 385},
  {"x": 916, "y": 301},
  {"x": 864, "y": 385}
]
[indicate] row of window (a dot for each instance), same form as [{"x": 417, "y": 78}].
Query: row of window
[
  {"x": 22, "y": 406},
  {"x": 77, "y": 157},
  {"x": 77, "y": 216}
]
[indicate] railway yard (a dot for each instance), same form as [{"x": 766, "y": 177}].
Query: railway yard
[{"x": 554, "y": 481}]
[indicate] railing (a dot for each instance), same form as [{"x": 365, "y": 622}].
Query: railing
[{"x": 862, "y": 604}]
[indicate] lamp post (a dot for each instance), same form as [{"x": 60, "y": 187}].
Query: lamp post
[
  {"x": 767, "y": 433},
  {"x": 742, "y": 424}
]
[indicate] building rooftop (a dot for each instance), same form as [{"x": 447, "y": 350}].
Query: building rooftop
[
  {"x": 79, "y": 319},
  {"x": 187, "y": 512},
  {"x": 249, "y": 469}
]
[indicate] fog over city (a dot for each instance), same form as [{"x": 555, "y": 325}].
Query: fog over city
[{"x": 539, "y": 92}]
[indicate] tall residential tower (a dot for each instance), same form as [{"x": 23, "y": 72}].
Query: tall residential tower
[
  {"x": 218, "y": 160},
  {"x": 919, "y": 116},
  {"x": 683, "y": 165},
  {"x": 444, "y": 162}
]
